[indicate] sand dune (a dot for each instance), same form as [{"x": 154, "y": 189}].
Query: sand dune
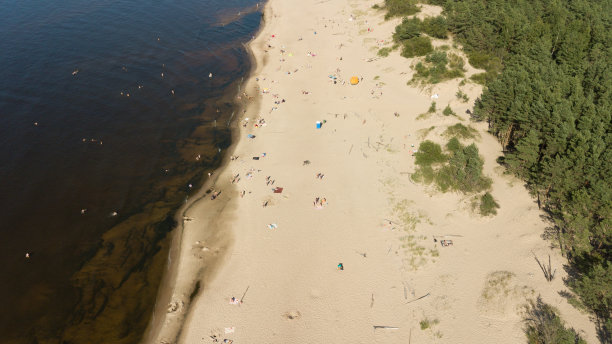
[{"x": 278, "y": 253}]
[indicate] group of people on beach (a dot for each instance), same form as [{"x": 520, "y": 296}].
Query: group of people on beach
[
  {"x": 320, "y": 202},
  {"x": 259, "y": 122}
]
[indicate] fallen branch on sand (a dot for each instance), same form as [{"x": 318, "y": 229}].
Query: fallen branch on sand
[
  {"x": 385, "y": 327},
  {"x": 547, "y": 270},
  {"x": 417, "y": 299}
]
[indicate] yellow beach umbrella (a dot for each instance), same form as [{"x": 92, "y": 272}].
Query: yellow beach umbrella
[{"x": 354, "y": 80}]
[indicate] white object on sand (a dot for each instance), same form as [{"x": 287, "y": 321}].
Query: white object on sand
[{"x": 229, "y": 330}]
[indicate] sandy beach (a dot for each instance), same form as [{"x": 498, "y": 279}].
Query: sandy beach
[{"x": 295, "y": 201}]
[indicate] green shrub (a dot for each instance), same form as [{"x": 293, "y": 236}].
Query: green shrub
[
  {"x": 453, "y": 74},
  {"x": 437, "y": 58},
  {"x": 544, "y": 326},
  {"x": 425, "y": 131},
  {"x": 424, "y": 174},
  {"x": 461, "y": 170},
  {"x": 479, "y": 60},
  {"x": 466, "y": 165},
  {"x": 453, "y": 145},
  {"x": 435, "y": 27},
  {"x": 461, "y": 131},
  {"x": 417, "y": 46},
  {"x": 455, "y": 62},
  {"x": 444, "y": 179},
  {"x": 492, "y": 65},
  {"x": 488, "y": 206},
  {"x": 433, "y": 69},
  {"x": 426, "y": 323},
  {"x": 384, "y": 52},
  {"x": 448, "y": 111},
  {"x": 483, "y": 78},
  {"x": 462, "y": 96},
  {"x": 409, "y": 28},
  {"x": 432, "y": 107},
  {"x": 429, "y": 153},
  {"x": 400, "y": 8}
]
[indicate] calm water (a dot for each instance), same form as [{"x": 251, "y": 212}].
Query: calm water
[{"x": 87, "y": 121}]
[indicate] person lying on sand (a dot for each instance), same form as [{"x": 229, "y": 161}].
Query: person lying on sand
[{"x": 215, "y": 195}]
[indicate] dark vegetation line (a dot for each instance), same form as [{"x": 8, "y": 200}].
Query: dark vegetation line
[{"x": 548, "y": 100}]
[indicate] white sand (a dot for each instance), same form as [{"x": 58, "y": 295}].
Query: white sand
[{"x": 295, "y": 293}]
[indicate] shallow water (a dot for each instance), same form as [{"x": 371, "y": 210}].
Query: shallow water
[{"x": 71, "y": 138}]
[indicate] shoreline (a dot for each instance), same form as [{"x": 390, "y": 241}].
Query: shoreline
[
  {"x": 159, "y": 329},
  {"x": 378, "y": 225}
]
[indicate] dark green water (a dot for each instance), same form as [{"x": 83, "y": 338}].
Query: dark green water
[{"x": 71, "y": 138}]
